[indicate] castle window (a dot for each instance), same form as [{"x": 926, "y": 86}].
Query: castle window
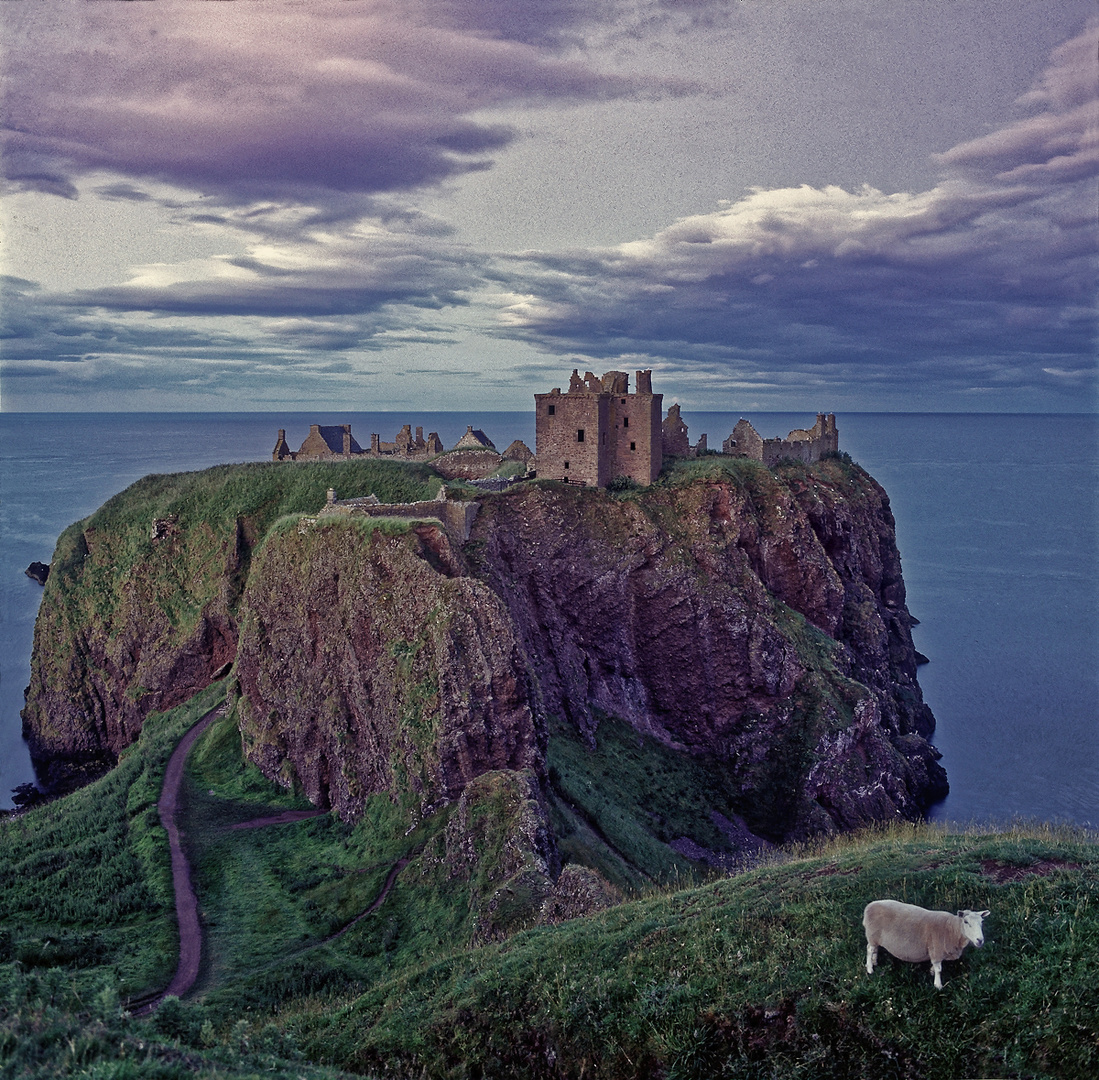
[
  {"x": 633, "y": 446},
  {"x": 625, "y": 421},
  {"x": 551, "y": 410},
  {"x": 580, "y": 435},
  {"x": 566, "y": 464}
]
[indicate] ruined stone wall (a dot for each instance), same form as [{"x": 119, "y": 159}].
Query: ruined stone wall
[
  {"x": 674, "y": 434},
  {"x": 745, "y": 441},
  {"x": 282, "y": 451},
  {"x": 519, "y": 451},
  {"x": 802, "y": 444},
  {"x": 567, "y": 430},
  {"x": 456, "y": 516},
  {"x": 599, "y": 430}
]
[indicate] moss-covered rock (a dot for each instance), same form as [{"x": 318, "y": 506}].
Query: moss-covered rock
[{"x": 746, "y": 626}]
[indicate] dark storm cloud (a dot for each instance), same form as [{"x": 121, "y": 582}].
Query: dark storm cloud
[
  {"x": 279, "y": 100},
  {"x": 985, "y": 282},
  {"x": 278, "y": 299}
]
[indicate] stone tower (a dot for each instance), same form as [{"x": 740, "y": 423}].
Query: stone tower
[{"x": 599, "y": 430}]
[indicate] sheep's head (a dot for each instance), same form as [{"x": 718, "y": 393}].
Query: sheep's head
[{"x": 971, "y": 926}]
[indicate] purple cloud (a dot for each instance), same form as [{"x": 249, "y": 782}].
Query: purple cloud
[{"x": 281, "y": 101}]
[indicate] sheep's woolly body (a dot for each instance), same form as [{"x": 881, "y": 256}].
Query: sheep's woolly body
[{"x": 915, "y": 934}]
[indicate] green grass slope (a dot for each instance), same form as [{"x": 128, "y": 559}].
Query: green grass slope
[
  {"x": 760, "y": 974},
  {"x": 203, "y": 512}
]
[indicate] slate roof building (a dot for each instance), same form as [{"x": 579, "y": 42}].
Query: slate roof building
[{"x": 323, "y": 441}]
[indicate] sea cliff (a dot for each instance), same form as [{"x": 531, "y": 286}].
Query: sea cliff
[{"x": 747, "y": 625}]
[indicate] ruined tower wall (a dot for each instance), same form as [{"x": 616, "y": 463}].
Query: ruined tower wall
[
  {"x": 637, "y": 443},
  {"x": 568, "y": 430},
  {"x": 599, "y": 430}
]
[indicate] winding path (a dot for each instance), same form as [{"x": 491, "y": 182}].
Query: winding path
[{"x": 190, "y": 930}]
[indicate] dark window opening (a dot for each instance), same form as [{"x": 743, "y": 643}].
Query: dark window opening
[
  {"x": 625, "y": 421},
  {"x": 566, "y": 464},
  {"x": 552, "y": 410},
  {"x": 633, "y": 446},
  {"x": 580, "y": 435}
]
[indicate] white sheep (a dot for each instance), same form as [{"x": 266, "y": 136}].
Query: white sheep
[{"x": 915, "y": 934}]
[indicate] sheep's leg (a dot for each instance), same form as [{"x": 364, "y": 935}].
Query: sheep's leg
[
  {"x": 871, "y": 957},
  {"x": 937, "y": 967}
]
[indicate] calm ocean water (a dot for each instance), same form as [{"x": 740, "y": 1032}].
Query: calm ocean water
[{"x": 997, "y": 522}]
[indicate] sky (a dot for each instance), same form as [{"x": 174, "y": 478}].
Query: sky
[{"x": 859, "y": 205}]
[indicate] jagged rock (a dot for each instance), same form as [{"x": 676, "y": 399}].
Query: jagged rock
[
  {"x": 754, "y": 618},
  {"x": 38, "y": 572}
]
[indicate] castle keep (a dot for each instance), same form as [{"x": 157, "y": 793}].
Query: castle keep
[{"x": 599, "y": 430}]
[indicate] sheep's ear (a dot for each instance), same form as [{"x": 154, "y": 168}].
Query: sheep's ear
[
  {"x": 961, "y": 914},
  {"x": 985, "y": 914}
]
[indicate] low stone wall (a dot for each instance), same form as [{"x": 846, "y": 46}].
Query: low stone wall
[
  {"x": 455, "y": 515},
  {"x": 467, "y": 464}
]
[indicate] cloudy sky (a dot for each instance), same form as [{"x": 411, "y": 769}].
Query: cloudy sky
[{"x": 449, "y": 204}]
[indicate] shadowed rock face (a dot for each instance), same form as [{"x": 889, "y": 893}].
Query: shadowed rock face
[
  {"x": 366, "y": 665},
  {"x": 755, "y": 618},
  {"x": 661, "y": 611},
  {"x": 109, "y": 648}
]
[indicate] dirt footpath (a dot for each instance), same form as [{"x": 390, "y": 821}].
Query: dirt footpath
[{"x": 190, "y": 932}]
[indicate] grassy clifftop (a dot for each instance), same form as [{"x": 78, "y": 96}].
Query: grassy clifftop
[
  {"x": 139, "y": 611},
  {"x": 759, "y": 974}
]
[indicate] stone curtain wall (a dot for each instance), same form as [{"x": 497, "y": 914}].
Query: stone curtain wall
[{"x": 802, "y": 444}]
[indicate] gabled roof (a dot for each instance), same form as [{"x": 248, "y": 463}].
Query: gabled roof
[
  {"x": 474, "y": 440},
  {"x": 333, "y": 438}
]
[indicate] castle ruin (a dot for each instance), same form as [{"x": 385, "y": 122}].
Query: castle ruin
[
  {"x": 801, "y": 444},
  {"x": 596, "y": 432},
  {"x": 599, "y": 431}
]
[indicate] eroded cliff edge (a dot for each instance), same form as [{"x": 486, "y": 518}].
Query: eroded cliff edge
[{"x": 748, "y": 626}]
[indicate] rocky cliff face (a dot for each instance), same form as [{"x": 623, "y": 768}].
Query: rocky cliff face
[
  {"x": 747, "y": 621},
  {"x": 677, "y": 611},
  {"x": 369, "y": 662},
  {"x": 118, "y": 637}
]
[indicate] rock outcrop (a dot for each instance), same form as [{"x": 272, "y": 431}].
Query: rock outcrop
[
  {"x": 752, "y": 619},
  {"x": 367, "y": 662},
  {"x": 38, "y": 571}
]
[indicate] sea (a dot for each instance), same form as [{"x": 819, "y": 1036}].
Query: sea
[{"x": 997, "y": 524}]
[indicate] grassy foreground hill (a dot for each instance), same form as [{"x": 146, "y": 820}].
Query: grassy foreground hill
[{"x": 759, "y": 974}]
